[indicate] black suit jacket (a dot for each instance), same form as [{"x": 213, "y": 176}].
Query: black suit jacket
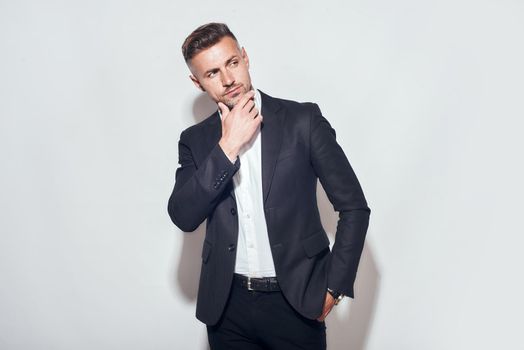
[{"x": 298, "y": 147}]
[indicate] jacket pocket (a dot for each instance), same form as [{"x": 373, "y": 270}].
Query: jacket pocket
[
  {"x": 206, "y": 250},
  {"x": 315, "y": 243}
]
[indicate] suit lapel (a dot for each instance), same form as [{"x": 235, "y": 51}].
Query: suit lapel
[
  {"x": 271, "y": 134},
  {"x": 271, "y": 139}
]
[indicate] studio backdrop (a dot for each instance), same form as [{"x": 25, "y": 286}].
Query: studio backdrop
[{"x": 425, "y": 97}]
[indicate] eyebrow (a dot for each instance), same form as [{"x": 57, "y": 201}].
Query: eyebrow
[
  {"x": 231, "y": 59},
  {"x": 216, "y": 69}
]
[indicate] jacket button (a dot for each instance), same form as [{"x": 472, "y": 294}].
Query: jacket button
[
  {"x": 231, "y": 247},
  {"x": 233, "y": 211}
]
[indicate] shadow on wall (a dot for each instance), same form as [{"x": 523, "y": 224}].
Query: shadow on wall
[
  {"x": 348, "y": 329},
  {"x": 203, "y": 107},
  {"x": 188, "y": 267}
]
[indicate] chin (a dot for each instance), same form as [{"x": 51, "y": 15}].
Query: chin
[
  {"x": 230, "y": 105},
  {"x": 232, "y": 102}
]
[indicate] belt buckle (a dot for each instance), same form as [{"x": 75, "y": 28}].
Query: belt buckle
[{"x": 249, "y": 283}]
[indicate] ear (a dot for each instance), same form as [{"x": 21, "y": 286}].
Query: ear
[
  {"x": 196, "y": 82},
  {"x": 245, "y": 57}
]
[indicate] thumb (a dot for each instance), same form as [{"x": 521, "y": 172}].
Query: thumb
[{"x": 223, "y": 109}]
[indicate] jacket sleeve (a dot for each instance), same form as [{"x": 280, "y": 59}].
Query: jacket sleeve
[
  {"x": 344, "y": 192},
  {"x": 197, "y": 190}
]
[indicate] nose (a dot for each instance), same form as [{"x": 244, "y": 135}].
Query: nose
[{"x": 227, "y": 78}]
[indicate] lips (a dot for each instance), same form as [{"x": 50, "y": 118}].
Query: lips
[{"x": 234, "y": 90}]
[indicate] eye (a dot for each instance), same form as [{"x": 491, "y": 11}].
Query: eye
[
  {"x": 234, "y": 63},
  {"x": 211, "y": 74}
]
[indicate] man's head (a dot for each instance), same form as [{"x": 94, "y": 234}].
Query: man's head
[{"x": 217, "y": 63}]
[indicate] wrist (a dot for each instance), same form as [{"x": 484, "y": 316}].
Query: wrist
[
  {"x": 336, "y": 295},
  {"x": 230, "y": 151}
]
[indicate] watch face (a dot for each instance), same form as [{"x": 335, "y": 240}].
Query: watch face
[{"x": 336, "y": 295}]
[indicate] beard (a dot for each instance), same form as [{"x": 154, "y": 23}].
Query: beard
[{"x": 230, "y": 102}]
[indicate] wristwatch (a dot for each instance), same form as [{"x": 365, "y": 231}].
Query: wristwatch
[{"x": 337, "y": 295}]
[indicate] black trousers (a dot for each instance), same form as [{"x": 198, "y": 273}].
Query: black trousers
[{"x": 255, "y": 320}]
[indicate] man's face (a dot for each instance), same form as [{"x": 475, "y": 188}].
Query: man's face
[{"x": 222, "y": 71}]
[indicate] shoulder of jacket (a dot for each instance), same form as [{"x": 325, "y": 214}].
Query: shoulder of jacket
[
  {"x": 296, "y": 106},
  {"x": 196, "y": 128}
]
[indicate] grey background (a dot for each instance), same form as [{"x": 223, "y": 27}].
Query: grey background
[{"x": 426, "y": 98}]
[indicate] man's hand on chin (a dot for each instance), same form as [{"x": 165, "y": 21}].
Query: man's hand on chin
[
  {"x": 329, "y": 302},
  {"x": 239, "y": 124}
]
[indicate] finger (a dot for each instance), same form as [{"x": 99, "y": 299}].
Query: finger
[
  {"x": 223, "y": 109},
  {"x": 254, "y": 112},
  {"x": 245, "y": 99},
  {"x": 249, "y": 105}
]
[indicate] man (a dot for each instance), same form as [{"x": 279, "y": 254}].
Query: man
[{"x": 268, "y": 278}]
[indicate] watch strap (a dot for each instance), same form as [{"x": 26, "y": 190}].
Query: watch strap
[{"x": 336, "y": 295}]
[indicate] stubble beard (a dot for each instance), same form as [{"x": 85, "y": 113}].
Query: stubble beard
[{"x": 230, "y": 103}]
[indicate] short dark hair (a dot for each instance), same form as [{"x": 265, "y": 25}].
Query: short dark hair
[{"x": 204, "y": 37}]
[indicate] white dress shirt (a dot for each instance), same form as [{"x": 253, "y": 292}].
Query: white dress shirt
[{"x": 254, "y": 257}]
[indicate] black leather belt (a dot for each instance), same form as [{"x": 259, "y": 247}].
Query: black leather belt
[{"x": 259, "y": 284}]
